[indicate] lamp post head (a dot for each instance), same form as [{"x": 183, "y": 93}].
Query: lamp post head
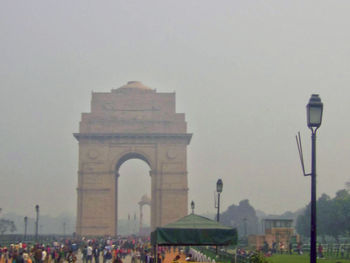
[
  {"x": 192, "y": 207},
  {"x": 314, "y": 110},
  {"x": 219, "y": 186}
]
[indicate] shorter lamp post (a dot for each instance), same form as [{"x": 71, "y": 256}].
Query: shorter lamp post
[
  {"x": 192, "y": 207},
  {"x": 219, "y": 186},
  {"x": 314, "y": 119}
]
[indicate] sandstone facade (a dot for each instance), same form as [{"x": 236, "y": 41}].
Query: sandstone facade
[{"x": 133, "y": 121}]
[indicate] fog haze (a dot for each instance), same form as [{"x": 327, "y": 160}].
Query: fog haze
[{"x": 243, "y": 72}]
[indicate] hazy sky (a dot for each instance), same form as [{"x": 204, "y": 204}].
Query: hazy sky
[{"x": 242, "y": 71}]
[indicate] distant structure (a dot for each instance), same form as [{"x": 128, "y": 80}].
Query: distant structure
[
  {"x": 145, "y": 200},
  {"x": 130, "y": 122},
  {"x": 276, "y": 231}
]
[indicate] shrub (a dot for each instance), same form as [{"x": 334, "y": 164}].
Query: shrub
[{"x": 258, "y": 258}]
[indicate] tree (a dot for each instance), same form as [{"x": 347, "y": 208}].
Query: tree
[
  {"x": 324, "y": 215},
  {"x": 339, "y": 223},
  {"x": 324, "y": 218},
  {"x": 333, "y": 216},
  {"x": 303, "y": 222},
  {"x": 7, "y": 225},
  {"x": 243, "y": 217}
]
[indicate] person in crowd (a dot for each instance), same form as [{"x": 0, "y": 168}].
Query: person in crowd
[
  {"x": 71, "y": 258},
  {"x": 290, "y": 248},
  {"x": 107, "y": 255},
  {"x": 320, "y": 250},
  {"x": 274, "y": 247},
  {"x": 45, "y": 256},
  {"x": 84, "y": 254},
  {"x": 17, "y": 257},
  {"x": 282, "y": 247},
  {"x": 96, "y": 254},
  {"x": 300, "y": 248},
  {"x": 26, "y": 258},
  {"x": 38, "y": 255},
  {"x": 117, "y": 260},
  {"x": 89, "y": 254}
]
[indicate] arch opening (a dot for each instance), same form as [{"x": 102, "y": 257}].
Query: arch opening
[
  {"x": 130, "y": 156},
  {"x": 131, "y": 186}
]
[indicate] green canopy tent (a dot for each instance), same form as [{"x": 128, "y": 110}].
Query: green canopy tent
[{"x": 194, "y": 230}]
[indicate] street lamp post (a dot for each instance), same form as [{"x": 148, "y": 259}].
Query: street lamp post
[
  {"x": 314, "y": 120},
  {"x": 192, "y": 207},
  {"x": 36, "y": 222},
  {"x": 25, "y": 228},
  {"x": 219, "y": 186}
]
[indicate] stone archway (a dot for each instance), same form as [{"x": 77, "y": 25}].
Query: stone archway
[{"x": 133, "y": 121}]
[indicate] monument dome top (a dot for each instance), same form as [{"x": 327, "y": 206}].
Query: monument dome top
[{"x": 135, "y": 85}]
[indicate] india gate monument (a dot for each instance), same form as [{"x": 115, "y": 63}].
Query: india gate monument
[{"x": 133, "y": 121}]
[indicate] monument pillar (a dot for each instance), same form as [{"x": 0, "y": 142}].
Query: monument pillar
[{"x": 116, "y": 203}]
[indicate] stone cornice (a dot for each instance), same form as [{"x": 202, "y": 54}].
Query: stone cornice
[
  {"x": 169, "y": 190},
  {"x": 81, "y": 172},
  {"x": 96, "y": 136},
  {"x": 81, "y": 189}
]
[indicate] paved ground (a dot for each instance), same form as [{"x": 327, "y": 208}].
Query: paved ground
[{"x": 171, "y": 255}]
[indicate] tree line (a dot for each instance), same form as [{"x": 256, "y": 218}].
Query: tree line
[{"x": 333, "y": 216}]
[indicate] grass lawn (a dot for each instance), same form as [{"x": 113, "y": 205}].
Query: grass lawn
[{"x": 301, "y": 259}]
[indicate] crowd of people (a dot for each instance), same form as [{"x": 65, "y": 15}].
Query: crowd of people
[
  {"x": 139, "y": 250},
  {"x": 85, "y": 250},
  {"x": 281, "y": 248},
  {"x": 23, "y": 252}
]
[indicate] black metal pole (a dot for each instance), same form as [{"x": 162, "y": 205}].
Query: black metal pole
[
  {"x": 313, "y": 235},
  {"x": 218, "y": 215}
]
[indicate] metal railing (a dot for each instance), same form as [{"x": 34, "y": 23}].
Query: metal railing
[{"x": 220, "y": 256}]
